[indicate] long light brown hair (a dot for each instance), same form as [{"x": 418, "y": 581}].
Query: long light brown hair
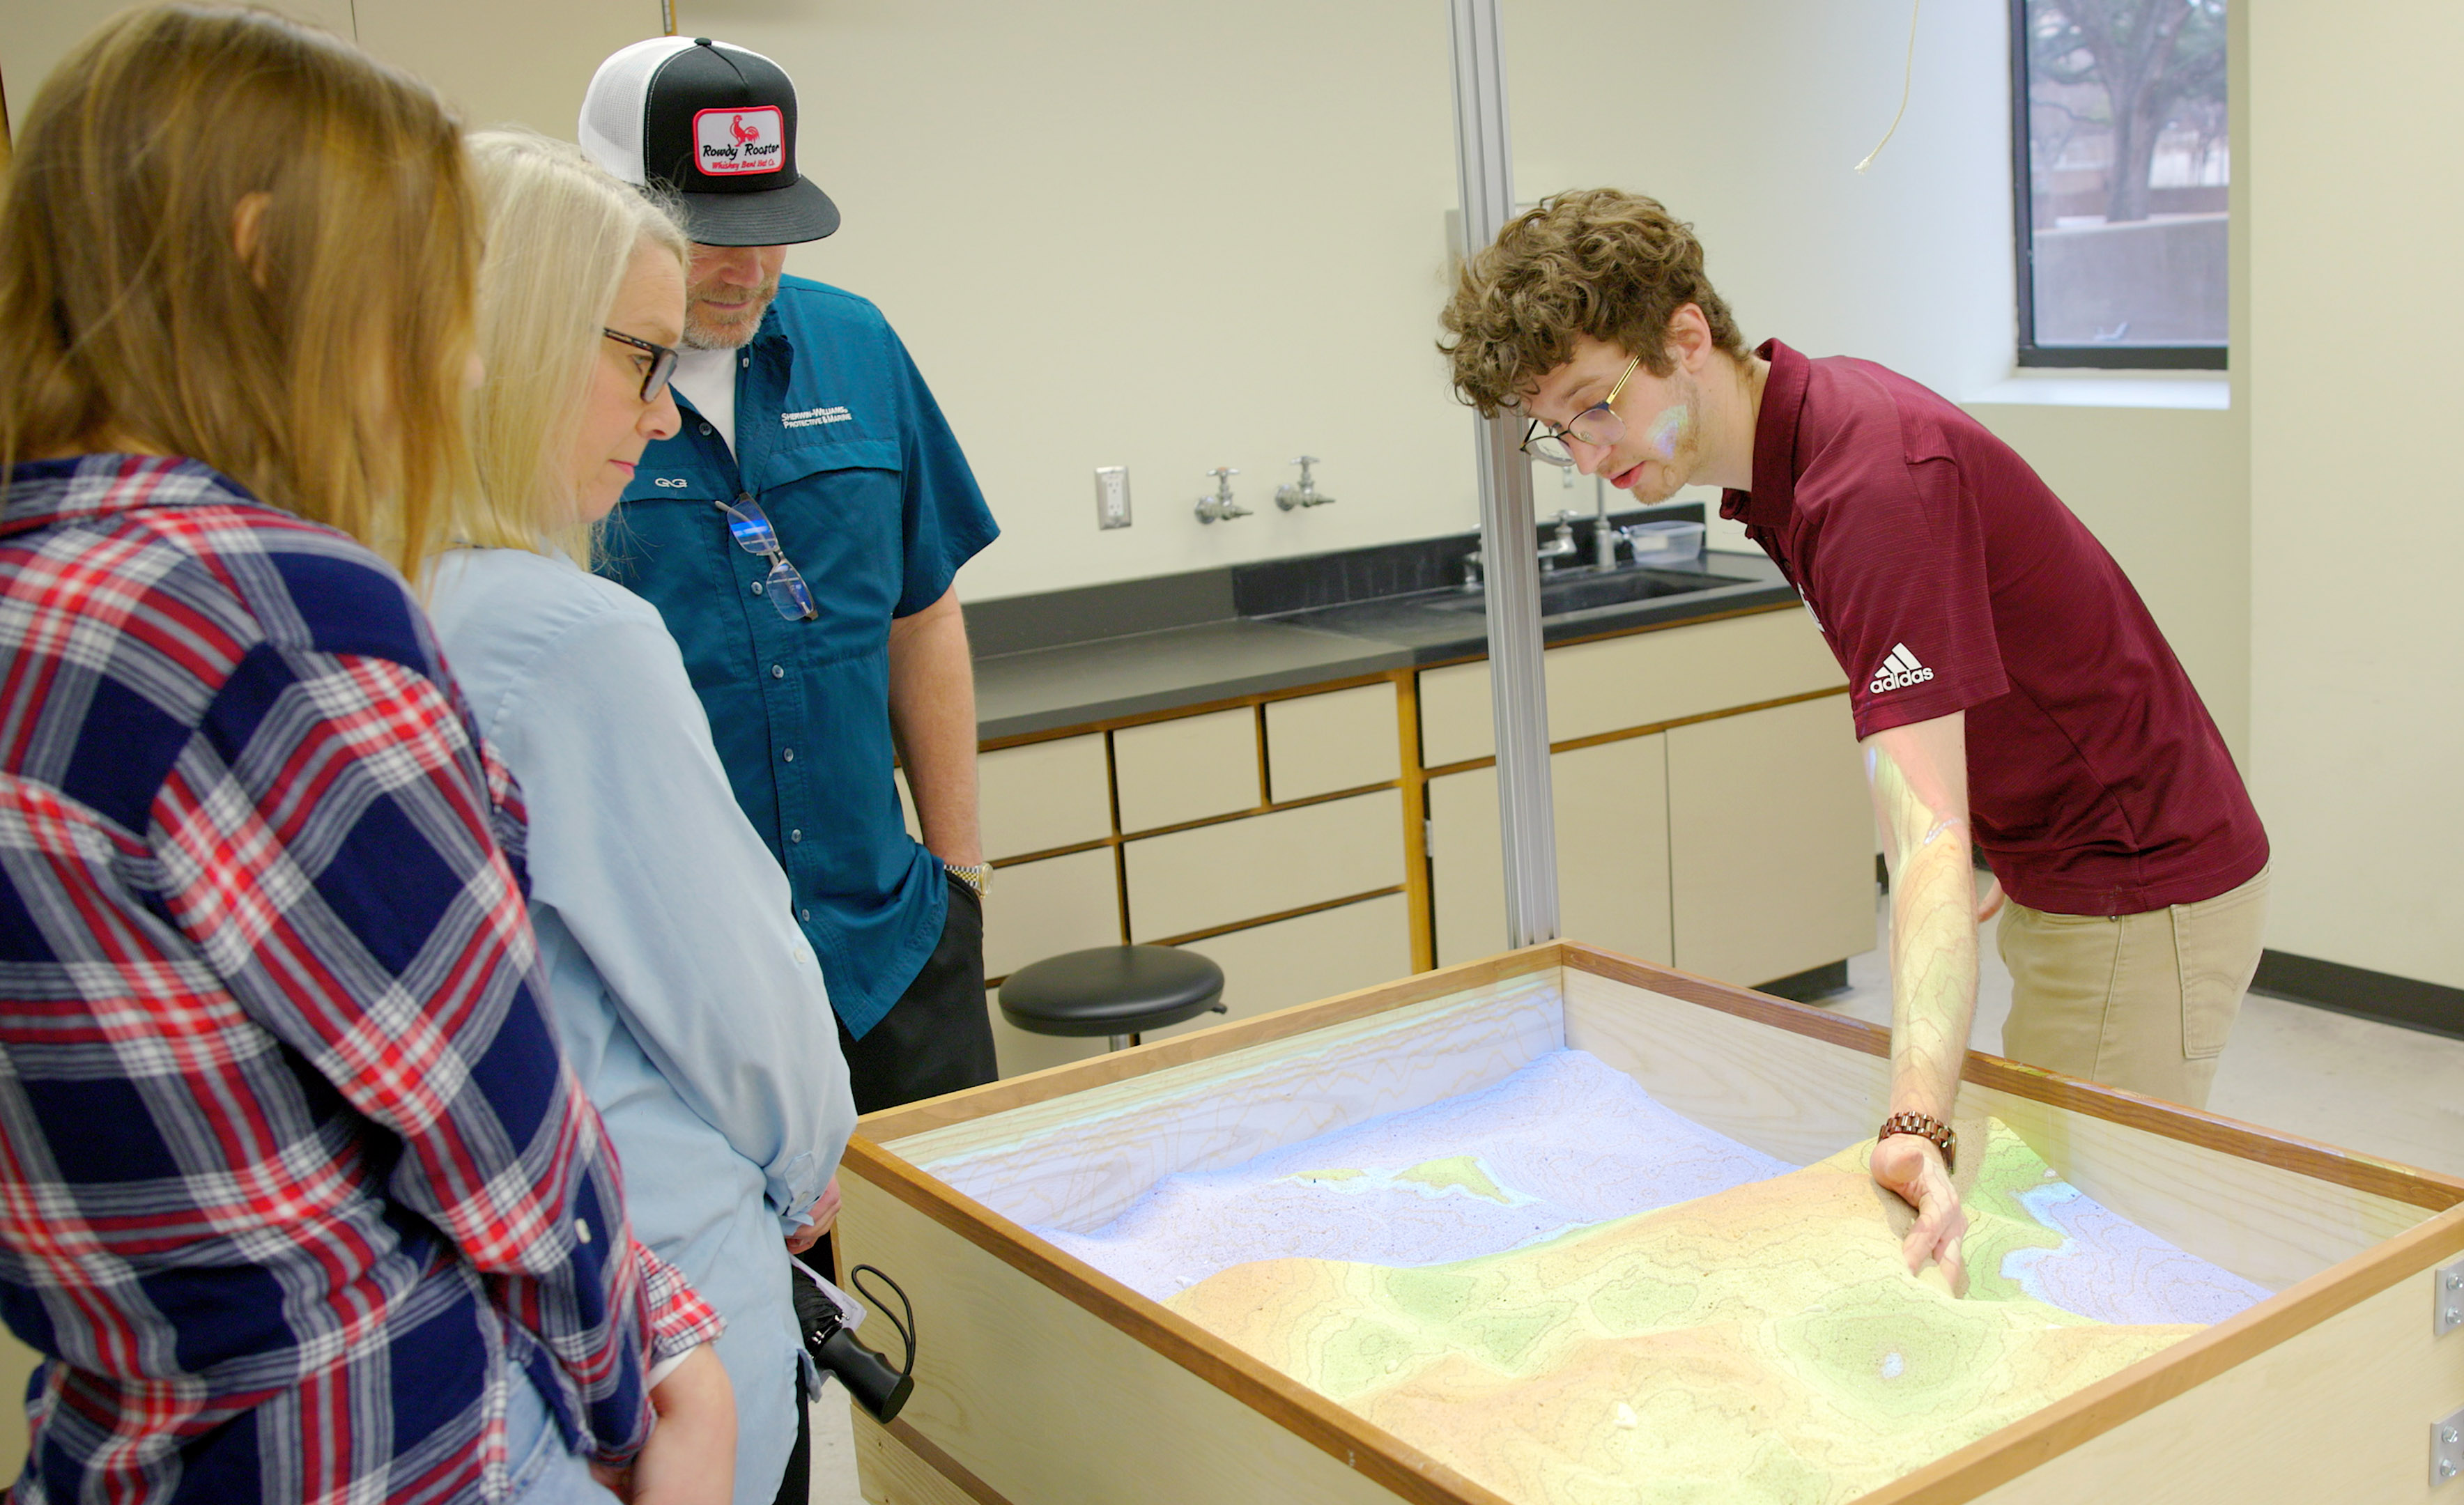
[{"x": 323, "y": 368}]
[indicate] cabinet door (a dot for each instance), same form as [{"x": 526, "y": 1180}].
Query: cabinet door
[
  {"x": 1043, "y": 908},
  {"x": 1307, "y": 958},
  {"x": 1319, "y": 744},
  {"x": 1040, "y": 909},
  {"x": 1770, "y": 842},
  {"x": 1187, "y": 769},
  {"x": 1612, "y": 824},
  {"x": 1613, "y": 846},
  {"x": 1467, "y": 867}
]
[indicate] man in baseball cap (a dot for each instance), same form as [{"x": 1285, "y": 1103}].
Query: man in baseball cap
[{"x": 799, "y": 536}]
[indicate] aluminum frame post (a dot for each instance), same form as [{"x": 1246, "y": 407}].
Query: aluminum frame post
[{"x": 1518, "y": 691}]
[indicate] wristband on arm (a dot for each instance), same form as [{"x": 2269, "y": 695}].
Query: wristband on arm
[{"x": 1923, "y": 1125}]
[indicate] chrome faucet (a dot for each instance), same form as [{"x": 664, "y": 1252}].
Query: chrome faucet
[
  {"x": 1306, "y": 495},
  {"x": 1605, "y": 538},
  {"x": 1562, "y": 546},
  {"x": 1220, "y": 507},
  {"x": 1471, "y": 563}
]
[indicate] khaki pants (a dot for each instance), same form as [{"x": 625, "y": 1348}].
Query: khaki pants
[{"x": 2138, "y": 1002}]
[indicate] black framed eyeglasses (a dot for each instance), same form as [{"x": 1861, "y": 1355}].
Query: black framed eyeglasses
[
  {"x": 663, "y": 363},
  {"x": 751, "y": 529},
  {"x": 1598, "y": 426}
]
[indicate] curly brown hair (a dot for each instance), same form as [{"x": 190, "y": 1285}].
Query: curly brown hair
[{"x": 1603, "y": 262}]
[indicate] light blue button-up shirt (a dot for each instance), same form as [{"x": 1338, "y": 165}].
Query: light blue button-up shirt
[{"x": 683, "y": 990}]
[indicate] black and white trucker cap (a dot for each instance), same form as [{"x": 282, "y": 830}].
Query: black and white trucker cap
[{"x": 716, "y": 123}]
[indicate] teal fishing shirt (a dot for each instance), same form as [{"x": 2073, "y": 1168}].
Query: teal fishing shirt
[{"x": 838, "y": 439}]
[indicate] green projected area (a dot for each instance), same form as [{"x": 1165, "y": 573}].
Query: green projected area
[{"x": 1764, "y": 1343}]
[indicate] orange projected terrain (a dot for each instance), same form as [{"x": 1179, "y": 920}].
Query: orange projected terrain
[{"x": 1761, "y": 1343}]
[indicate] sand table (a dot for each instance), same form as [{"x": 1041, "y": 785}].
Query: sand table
[
  {"x": 1573, "y": 1294},
  {"x": 1762, "y": 1344},
  {"x": 1566, "y": 1142}
]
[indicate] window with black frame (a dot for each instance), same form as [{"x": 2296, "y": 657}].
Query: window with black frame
[{"x": 2123, "y": 168}]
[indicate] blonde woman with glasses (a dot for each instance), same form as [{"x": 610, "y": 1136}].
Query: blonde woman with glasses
[
  {"x": 298, "y": 1198},
  {"x": 686, "y": 996}
]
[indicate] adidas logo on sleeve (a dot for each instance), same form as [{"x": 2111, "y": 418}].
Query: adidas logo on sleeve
[{"x": 1899, "y": 671}]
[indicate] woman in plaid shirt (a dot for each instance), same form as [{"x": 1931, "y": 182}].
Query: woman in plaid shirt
[{"x": 297, "y": 1194}]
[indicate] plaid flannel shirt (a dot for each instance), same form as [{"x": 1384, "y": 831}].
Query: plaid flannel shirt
[{"x": 292, "y": 1174}]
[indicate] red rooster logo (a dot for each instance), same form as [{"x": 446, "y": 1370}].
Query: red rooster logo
[{"x": 745, "y": 135}]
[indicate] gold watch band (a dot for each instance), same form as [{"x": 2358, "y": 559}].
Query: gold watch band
[{"x": 978, "y": 878}]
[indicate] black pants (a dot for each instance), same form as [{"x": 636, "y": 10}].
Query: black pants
[
  {"x": 796, "y": 1486},
  {"x": 936, "y": 1037}
]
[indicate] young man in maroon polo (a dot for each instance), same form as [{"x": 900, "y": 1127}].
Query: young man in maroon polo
[{"x": 2009, "y": 688}]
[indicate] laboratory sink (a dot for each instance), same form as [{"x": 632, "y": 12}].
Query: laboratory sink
[{"x": 1571, "y": 591}]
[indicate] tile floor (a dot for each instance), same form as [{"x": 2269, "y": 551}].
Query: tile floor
[{"x": 2351, "y": 1083}]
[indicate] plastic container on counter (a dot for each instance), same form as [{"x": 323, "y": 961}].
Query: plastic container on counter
[{"x": 1665, "y": 542}]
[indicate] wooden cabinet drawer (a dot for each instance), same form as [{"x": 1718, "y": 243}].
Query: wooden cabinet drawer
[
  {"x": 1265, "y": 864},
  {"x": 1317, "y": 744},
  {"x": 1771, "y": 835},
  {"x": 1305, "y": 958},
  {"x": 1639, "y": 680},
  {"x": 1043, "y": 795},
  {"x": 1168, "y": 771}
]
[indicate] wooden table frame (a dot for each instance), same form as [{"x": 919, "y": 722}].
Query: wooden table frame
[{"x": 2327, "y": 1385}]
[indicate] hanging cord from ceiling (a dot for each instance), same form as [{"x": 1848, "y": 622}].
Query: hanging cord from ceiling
[{"x": 1906, "y": 78}]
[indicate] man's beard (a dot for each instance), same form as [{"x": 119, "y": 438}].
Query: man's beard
[
  {"x": 701, "y": 334},
  {"x": 1674, "y": 437}
]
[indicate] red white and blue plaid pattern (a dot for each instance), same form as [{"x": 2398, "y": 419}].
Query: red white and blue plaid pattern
[{"x": 292, "y": 1173}]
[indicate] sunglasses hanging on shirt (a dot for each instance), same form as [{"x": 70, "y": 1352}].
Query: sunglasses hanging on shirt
[{"x": 751, "y": 529}]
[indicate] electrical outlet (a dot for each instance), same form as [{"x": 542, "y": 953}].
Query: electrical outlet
[{"x": 1111, "y": 496}]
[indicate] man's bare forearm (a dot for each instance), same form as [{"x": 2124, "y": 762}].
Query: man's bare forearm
[
  {"x": 1920, "y": 798},
  {"x": 932, "y": 722}
]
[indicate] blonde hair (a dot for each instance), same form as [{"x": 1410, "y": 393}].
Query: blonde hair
[
  {"x": 1603, "y": 262},
  {"x": 323, "y": 368},
  {"x": 561, "y": 233}
]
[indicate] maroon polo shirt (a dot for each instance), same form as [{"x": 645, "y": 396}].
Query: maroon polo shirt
[{"x": 1946, "y": 576}]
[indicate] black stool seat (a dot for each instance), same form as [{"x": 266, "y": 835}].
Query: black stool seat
[{"x": 1111, "y": 989}]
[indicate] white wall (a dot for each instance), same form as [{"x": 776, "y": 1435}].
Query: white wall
[
  {"x": 2357, "y": 694},
  {"x": 1747, "y": 118},
  {"x": 1168, "y": 238}
]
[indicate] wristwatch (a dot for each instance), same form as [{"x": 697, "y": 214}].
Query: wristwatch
[
  {"x": 978, "y": 878},
  {"x": 1923, "y": 1125}
]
